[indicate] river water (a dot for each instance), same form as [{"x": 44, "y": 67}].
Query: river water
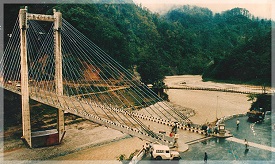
[{"x": 222, "y": 150}]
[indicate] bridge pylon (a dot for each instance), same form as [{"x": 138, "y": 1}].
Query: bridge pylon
[{"x": 28, "y": 136}]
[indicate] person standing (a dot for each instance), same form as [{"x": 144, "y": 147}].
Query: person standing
[
  {"x": 205, "y": 157},
  {"x": 151, "y": 149},
  {"x": 216, "y": 129},
  {"x": 238, "y": 123},
  {"x": 207, "y": 131},
  {"x": 246, "y": 144}
]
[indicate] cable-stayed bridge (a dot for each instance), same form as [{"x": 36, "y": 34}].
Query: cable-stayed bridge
[{"x": 62, "y": 68}]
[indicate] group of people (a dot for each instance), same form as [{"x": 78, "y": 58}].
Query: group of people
[{"x": 209, "y": 130}]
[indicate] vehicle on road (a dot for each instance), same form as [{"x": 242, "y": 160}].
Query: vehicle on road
[{"x": 160, "y": 152}]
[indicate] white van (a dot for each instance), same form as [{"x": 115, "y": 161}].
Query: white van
[{"x": 160, "y": 152}]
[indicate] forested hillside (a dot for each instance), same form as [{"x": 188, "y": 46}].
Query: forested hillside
[{"x": 233, "y": 45}]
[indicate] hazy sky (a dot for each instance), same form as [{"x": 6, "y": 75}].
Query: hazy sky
[{"x": 259, "y": 8}]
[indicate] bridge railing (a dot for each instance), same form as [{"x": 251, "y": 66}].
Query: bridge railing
[{"x": 123, "y": 128}]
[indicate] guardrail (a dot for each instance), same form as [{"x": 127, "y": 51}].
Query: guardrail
[{"x": 184, "y": 126}]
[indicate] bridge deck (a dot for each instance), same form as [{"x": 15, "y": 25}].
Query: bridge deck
[{"x": 88, "y": 109}]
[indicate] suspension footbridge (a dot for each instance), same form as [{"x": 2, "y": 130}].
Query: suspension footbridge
[{"x": 64, "y": 69}]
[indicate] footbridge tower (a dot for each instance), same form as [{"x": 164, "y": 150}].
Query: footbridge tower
[{"x": 24, "y": 16}]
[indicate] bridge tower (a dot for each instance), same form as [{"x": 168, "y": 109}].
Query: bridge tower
[{"x": 24, "y": 16}]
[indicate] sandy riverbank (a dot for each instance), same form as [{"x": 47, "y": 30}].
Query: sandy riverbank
[
  {"x": 208, "y": 105},
  {"x": 79, "y": 137},
  {"x": 107, "y": 152}
]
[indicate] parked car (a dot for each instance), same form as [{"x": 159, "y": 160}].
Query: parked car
[{"x": 160, "y": 152}]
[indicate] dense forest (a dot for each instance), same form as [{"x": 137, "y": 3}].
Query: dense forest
[{"x": 230, "y": 46}]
